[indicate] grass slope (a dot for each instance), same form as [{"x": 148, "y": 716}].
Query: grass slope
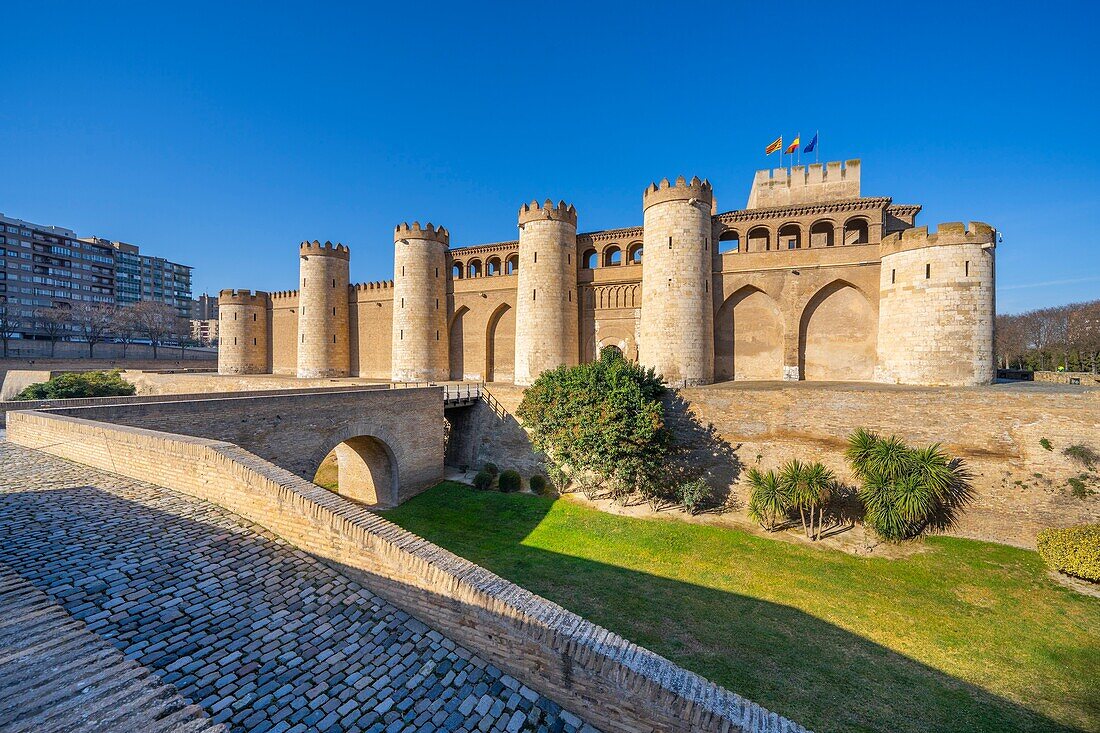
[{"x": 968, "y": 636}]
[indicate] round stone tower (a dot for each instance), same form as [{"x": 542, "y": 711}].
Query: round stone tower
[
  {"x": 323, "y": 336},
  {"x": 547, "y": 314},
  {"x": 420, "y": 352},
  {"x": 936, "y": 306},
  {"x": 243, "y": 335},
  {"x": 677, "y": 325}
]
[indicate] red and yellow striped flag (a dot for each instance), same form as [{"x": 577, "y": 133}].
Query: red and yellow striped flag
[
  {"x": 774, "y": 146},
  {"x": 794, "y": 145}
]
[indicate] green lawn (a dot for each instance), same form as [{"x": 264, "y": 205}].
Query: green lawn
[{"x": 968, "y": 636}]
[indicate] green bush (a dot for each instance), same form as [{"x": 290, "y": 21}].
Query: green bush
[
  {"x": 768, "y": 501},
  {"x": 491, "y": 469},
  {"x": 603, "y": 419},
  {"x": 538, "y": 484},
  {"x": 79, "y": 384},
  {"x": 906, "y": 491},
  {"x": 509, "y": 481},
  {"x": 1046, "y": 444},
  {"x": 1074, "y": 551},
  {"x": 483, "y": 480},
  {"x": 1078, "y": 488},
  {"x": 1084, "y": 455},
  {"x": 694, "y": 494}
]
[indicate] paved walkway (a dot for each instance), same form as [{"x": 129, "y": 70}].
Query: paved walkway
[{"x": 259, "y": 634}]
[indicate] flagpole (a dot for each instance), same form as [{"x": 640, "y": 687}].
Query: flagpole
[{"x": 817, "y": 136}]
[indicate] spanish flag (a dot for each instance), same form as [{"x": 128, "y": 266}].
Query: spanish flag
[
  {"x": 777, "y": 145},
  {"x": 794, "y": 144}
]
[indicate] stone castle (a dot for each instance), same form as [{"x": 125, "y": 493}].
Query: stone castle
[{"x": 810, "y": 281}]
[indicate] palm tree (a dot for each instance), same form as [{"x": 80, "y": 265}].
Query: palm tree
[
  {"x": 904, "y": 489},
  {"x": 767, "y": 501},
  {"x": 808, "y": 487}
]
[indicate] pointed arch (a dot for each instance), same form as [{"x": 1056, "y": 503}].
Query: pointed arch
[
  {"x": 837, "y": 335},
  {"x": 458, "y": 346},
  {"x": 748, "y": 336},
  {"x": 500, "y": 345}
]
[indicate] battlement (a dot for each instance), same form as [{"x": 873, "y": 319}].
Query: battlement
[
  {"x": 243, "y": 297},
  {"x": 534, "y": 212},
  {"x": 328, "y": 249},
  {"x": 682, "y": 190},
  {"x": 812, "y": 184},
  {"x": 375, "y": 285},
  {"x": 284, "y": 295},
  {"x": 429, "y": 232},
  {"x": 948, "y": 233}
]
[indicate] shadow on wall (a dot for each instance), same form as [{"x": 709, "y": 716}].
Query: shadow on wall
[
  {"x": 803, "y": 668},
  {"x": 699, "y": 451}
]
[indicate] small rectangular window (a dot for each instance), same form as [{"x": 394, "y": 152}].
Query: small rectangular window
[
  {"x": 437, "y": 303},
  {"x": 893, "y": 276},
  {"x": 254, "y": 315},
  {"x": 967, "y": 268},
  {"x": 333, "y": 310},
  {"x": 670, "y": 242},
  {"x": 253, "y": 342},
  {"x": 234, "y": 316},
  {"x": 927, "y": 271},
  {"x": 437, "y": 272},
  {"x": 402, "y": 336},
  {"x": 536, "y": 257},
  {"x": 333, "y": 282},
  {"x": 402, "y": 271},
  {"x": 437, "y": 334},
  {"x": 234, "y": 340},
  {"x": 706, "y": 243},
  {"x": 303, "y": 338},
  {"x": 402, "y": 302},
  {"x": 533, "y": 294},
  {"x": 333, "y": 338}
]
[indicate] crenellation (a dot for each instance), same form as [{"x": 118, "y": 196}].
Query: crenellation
[{"x": 795, "y": 286}]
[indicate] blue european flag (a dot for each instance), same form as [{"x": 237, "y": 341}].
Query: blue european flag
[{"x": 813, "y": 144}]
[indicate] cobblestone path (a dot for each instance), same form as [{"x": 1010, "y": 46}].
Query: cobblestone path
[{"x": 261, "y": 635}]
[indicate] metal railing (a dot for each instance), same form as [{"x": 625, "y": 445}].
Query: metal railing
[{"x": 453, "y": 394}]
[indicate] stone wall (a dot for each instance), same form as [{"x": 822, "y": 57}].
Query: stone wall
[
  {"x": 1020, "y": 486},
  {"x": 323, "y": 335},
  {"x": 419, "y": 332},
  {"x": 297, "y": 430},
  {"x": 1085, "y": 378},
  {"x": 619, "y": 686}
]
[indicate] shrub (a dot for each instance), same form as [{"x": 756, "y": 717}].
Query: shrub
[
  {"x": 491, "y": 469},
  {"x": 483, "y": 480},
  {"x": 509, "y": 481},
  {"x": 1074, "y": 551},
  {"x": 767, "y": 501},
  {"x": 694, "y": 494},
  {"x": 905, "y": 490},
  {"x": 1046, "y": 444},
  {"x": 1078, "y": 489},
  {"x": 538, "y": 484},
  {"x": 603, "y": 419},
  {"x": 1084, "y": 455},
  {"x": 79, "y": 384}
]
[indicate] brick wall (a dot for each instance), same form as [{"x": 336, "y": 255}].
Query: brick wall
[
  {"x": 617, "y": 685},
  {"x": 296, "y": 430}
]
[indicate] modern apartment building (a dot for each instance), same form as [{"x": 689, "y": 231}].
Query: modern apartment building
[
  {"x": 42, "y": 266},
  {"x": 205, "y": 308},
  {"x": 145, "y": 277}
]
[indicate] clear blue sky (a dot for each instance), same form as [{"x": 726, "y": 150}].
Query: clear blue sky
[{"x": 221, "y": 135}]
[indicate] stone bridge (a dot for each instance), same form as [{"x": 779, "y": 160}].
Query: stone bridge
[{"x": 389, "y": 442}]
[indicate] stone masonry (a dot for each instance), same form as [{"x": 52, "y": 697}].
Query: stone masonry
[
  {"x": 788, "y": 287},
  {"x": 259, "y": 634}
]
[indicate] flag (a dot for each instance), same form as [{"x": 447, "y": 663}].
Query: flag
[
  {"x": 794, "y": 145},
  {"x": 813, "y": 144},
  {"x": 777, "y": 145}
]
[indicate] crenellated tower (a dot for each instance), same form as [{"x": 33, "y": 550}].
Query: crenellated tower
[
  {"x": 676, "y": 333},
  {"x": 936, "y": 306},
  {"x": 244, "y": 336},
  {"x": 323, "y": 336},
  {"x": 420, "y": 350},
  {"x": 547, "y": 312}
]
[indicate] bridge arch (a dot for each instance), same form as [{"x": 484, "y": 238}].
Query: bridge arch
[{"x": 368, "y": 461}]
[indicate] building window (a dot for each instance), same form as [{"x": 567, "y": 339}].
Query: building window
[
  {"x": 967, "y": 271},
  {"x": 893, "y": 276},
  {"x": 927, "y": 271}
]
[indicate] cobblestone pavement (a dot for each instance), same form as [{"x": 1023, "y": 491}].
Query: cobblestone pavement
[{"x": 260, "y": 634}]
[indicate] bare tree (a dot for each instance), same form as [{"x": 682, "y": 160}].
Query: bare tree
[
  {"x": 55, "y": 322},
  {"x": 126, "y": 326},
  {"x": 155, "y": 321},
  {"x": 1065, "y": 336},
  {"x": 10, "y": 322},
  {"x": 93, "y": 321}
]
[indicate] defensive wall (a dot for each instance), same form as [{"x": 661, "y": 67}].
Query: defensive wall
[
  {"x": 811, "y": 281},
  {"x": 1020, "y": 487},
  {"x": 619, "y": 686}
]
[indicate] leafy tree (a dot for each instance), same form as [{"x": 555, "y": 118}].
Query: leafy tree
[
  {"x": 768, "y": 501},
  {"x": 93, "y": 321},
  {"x": 603, "y": 419},
  {"x": 79, "y": 384},
  {"x": 55, "y": 322},
  {"x": 906, "y": 491}
]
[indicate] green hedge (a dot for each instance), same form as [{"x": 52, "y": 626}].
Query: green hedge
[
  {"x": 79, "y": 384},
  {"x": 483, "y": 480},
  {"x": 1073, "y": 551}
]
